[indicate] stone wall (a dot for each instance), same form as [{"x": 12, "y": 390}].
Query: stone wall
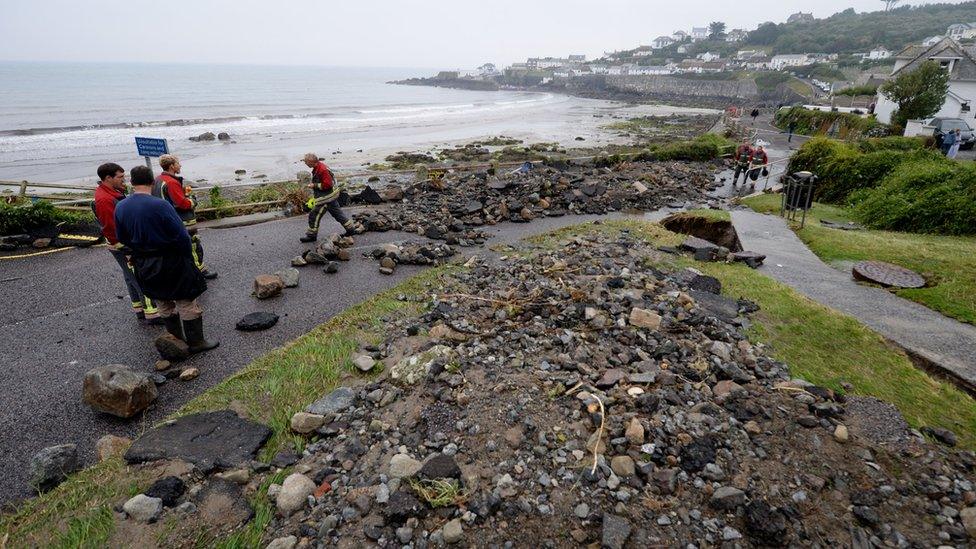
[{"x": 670, "y": 85}]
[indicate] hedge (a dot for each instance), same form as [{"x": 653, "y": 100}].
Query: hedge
[
  {"x": 811, "y": 122},
  {"x": 19, "y": 219}
]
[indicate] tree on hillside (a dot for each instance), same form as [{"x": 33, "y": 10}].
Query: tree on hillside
[
  {"x": 918, "y": 93},
  {"x": 716, "y": 30},
  {"x": 890, "y": 4}
]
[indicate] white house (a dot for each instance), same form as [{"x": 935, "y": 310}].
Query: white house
[
  {"x": 644, "y": 51},
  {"x": 708, "y": 56},
  {"x": 699, "y": 33},
  {"x": 662, "y": 42},
  {"x": 931, "y": 40},
  {"x": 959, "y": 60},
  {"x": 599, "y": 69},
  {"x": 488, "y": 69},
  {"x": 577, "y": 59},
  {"x": 680, "y": 36},
  {"x": 616, "y": 69},
  {"x": 779, "y": 62},
  {"x": 879, "y": 52},
  {"x": 683, "y": 48},
  {"x": 649, "y": 70},
  {"x": 961, "y": 31}
]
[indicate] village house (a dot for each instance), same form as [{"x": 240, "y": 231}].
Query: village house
[
  {"x": 683, "y": 48},
  {"x": 879, "y": 52},
  {"x": 577, "y": 59},
  {"x": 599, "y": 69},
  {"x": 648, "y": 70},
  {"x": 488, "y": 69},
  {"x": 962, "y": 31},
  {"x": 644, "y": 51},
  {"x": 680, "y": 36},
  {"x": 699, "y": 33},
  {"x": 780, "y": 62},
  {"x": 958, "y": 60},
  {"x": 708, "y": 56},
  {"x": 931, "y": 40},
  {"x": 662, "y": 42},
  {"x": 757, "y": 63}
]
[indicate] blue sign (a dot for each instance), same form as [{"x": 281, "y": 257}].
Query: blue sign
[{"x": 151, "y": 146}]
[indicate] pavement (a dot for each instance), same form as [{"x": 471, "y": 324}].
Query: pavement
[
  {"x": 66, "y": 313},
  {"x": 945, "y": 343}
]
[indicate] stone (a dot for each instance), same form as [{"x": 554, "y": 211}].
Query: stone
[
  {"x": 440, "y": 466},
  {"x": 222, "y": 502},
  {"x": 206, "y": 136},
  {"x": 298, "y": 261},
  {"x": 623, "y": 466},
  {"x": 189, "y": 374},
  {"x": 364, "y": 363},
  {"x": 167, "y": 489},
  {"x": 443, "y": 331},
  {"x": 402, "y": 506},
  {"x": 615, "y": 532},
  {"x": 944, "y": 436},
  {"x": 162, "y": 365},
  {"x": 289, "y": 277},
  {"x": 727, "y": 498},
  {"x": 639, "y": 187},
  {"x": 840, "y": 434},
  {"x": 968, "y": 518},
  {"x": 581, "y": 511},
  {"x": 765, "y": 523},
  {"x": 110, "y": 446},
  {"x": 333, "y": 403},
  {"x": 253, "y": 322},
  {"x": 305, "y": 423},
  {"x": 752, "y": 259},
  {"x": 52, "y": 465},
  {"x": 404, "y": 466},
  {"x": 610, "y": 378},
  {"x": 635, "y": 432},
  {"x": 172, "y": 348},
  {"x": 209, "y": 440},
  {"x": 705, "y": 283},
  {"x": 267, "y": 286},
  {"x": 294, "y": 494},
  {"x": 331, "y": 267},
  {"x": 287, "y": 542},
  {"x": 142, "y": 508},
  {"x": 725, "y": 388},
  {"x": 117, "y": 390},
  {"x": 386, "y": 271},
  {"x": 452, "y": 531},
  {"x": 642, "y": 318},
  {"x": 392, "y": 194},
  {"x": 41, "y": 243}
]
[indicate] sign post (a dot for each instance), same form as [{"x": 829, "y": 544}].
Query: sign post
[{"x": 149, "y": 147}]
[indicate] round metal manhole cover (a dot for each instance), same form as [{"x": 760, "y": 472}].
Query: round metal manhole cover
[{"x": 887, "y": 274}]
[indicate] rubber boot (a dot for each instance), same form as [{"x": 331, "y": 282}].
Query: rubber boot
[
  {"x": 174, "y": 326},
  {"x": 309, "y": 237},
  {"x": 194, "y": 336},
  {"x": 208, "y": 274}
]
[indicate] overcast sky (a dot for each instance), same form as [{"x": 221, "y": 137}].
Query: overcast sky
[{"x": 382, "y": 33}]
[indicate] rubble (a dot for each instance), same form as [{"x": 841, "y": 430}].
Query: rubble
[{"x": 115, "y": 389}]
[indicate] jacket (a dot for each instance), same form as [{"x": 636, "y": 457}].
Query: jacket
[
  {"x": 170, "y": 188},
  {"x": 106, "y": 198}
]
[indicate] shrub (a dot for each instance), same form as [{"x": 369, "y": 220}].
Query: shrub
[
  {"x": 846, "y": 173},
  {"x": 702, "y": 148},
  {"x": 895, "y": 143},
  {"x": 931, "y": 196},
  {"x": 811, "y": 122},
  {"x": 815, "y": 151},
  {"x": 17, "y": 219}
]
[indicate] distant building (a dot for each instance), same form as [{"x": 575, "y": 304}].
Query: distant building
[
  {"x": 577, "y": 59},
  {"x": 698, "y": 67},
  {"x": 661, "y": 42},
  {"x": 683, "y": 48},
  {"x": 680, "y": 36},
  {"x": 650, "y": 70},
  {"x": 958, "y": 60},
  {"x": 758, "y": 63},
  {"x": 736, "y": 35},
  {"x": 961, "y": 31},
  {"x": 488, "y": 69},
  {"x": 779, "y": 62},
  {"x": 599, "y": 69},
  {"x": 800, "y": 17},
  {"x": 708, "y": 56},
  {"x": 879, "y": 52},
  {"x": 644, "y": 51},
  {"x": 931, "y": 40},
  {"x": 699, "y": 33}
]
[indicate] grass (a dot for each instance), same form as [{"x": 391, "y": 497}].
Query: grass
[
  {"x": 819, "y": 344},
  {"x": 947, "y": 261},
  {"x": 270, "y": 389},
  {"x": 441, "y": 492}
]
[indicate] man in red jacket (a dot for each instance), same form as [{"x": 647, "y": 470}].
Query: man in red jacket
[
  {"x": 325, "y": 192},
  {"x": 169, "y": 186},
  {"x": 110, "y": 191}
]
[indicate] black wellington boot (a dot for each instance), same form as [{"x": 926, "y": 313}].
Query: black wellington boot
[
  {"x": 174, "y": 326},
  {"x": 194, "y": 336}
]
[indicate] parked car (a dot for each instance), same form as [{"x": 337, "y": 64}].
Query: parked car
[{"x": 945, "y": 125}]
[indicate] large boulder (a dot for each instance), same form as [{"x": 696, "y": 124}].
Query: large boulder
[
  {"x": 253, "y": 322},
  {"x": 117, "y": 390},
  {"x": 52, "y": 465},
  {"x": 266, "y": 286}
]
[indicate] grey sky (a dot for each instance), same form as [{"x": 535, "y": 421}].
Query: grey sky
[{"x": 389, "y": 33}]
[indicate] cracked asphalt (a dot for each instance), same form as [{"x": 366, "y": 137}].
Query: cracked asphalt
[{"x": 65, "y": 313}]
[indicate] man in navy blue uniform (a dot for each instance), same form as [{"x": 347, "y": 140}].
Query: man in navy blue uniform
[{"x": 162, "y": 259}]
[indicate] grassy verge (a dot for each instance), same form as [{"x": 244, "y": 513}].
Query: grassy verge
[
  {"x": 819, "y": 344},
  {"x": 270, "y": 389},
  {"x": 948, "y": 261}
]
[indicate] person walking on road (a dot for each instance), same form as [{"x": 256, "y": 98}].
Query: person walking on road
[
  {"x": 956, "y": 141},
  {"x": 743, "y": 155},
  {"x": 790, "y": 129},
  {"x": 111, "y": 191},
  {"x": 754, "y": 114},
  {"x": 758, "y": 163},
  {"x": 162, "y": 258},
  {"x": 948, "y": 140},
  {"x": 324, "y": 195},
  {"x": 169, "y": 186}
]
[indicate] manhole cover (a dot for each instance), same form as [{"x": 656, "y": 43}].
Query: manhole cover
[{"x": 887, "y": 274}]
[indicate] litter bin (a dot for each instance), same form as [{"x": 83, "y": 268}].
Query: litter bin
[{"x": 798, "y": 193}]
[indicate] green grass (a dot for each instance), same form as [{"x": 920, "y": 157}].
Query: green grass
[
  {"x": 948, "y": 261},
  {"x": 819, "y": 344},
  {"x": 270, "y": 389}
]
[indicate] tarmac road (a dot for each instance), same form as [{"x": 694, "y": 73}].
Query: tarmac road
[{"x": 65, "y": 313}]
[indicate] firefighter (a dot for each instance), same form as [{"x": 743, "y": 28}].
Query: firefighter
[
  {"x": 743, "y": 156},
  {"x": 169, "y": 186},
  {"x": 324, "y": 195},
  {"x": 757, "y": 164},
  {"x": 110, "y": 191},
  {"x": 162, "y": 259}
]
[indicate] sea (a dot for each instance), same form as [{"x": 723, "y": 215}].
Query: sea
[{"x": 53, "y": 114}]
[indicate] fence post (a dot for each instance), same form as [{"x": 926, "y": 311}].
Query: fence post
[{"x": 23, "y": 189}]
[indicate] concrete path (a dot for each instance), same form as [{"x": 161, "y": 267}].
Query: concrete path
[{"x": 945, "y": 343}]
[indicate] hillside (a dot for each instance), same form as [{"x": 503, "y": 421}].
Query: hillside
[{"x": 848, "y": 32}]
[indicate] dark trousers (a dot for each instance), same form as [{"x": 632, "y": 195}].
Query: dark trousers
[
  {"x": 322, "y": 206},
  {"x": 138, "y": 300},
  {"x": 744, "y": 170}
]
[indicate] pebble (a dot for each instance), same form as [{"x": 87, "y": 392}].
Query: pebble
[
  {"x": 142, "y": 508},
  {"x": 582, "y": 510}
]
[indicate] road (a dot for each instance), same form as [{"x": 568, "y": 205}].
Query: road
[{"x": 68, "y": 312}]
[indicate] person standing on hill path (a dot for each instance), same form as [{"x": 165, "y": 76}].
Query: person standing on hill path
[
  {"x": 956, "y": 141},
  {"x": 324, "y": 195},
  {"x": 111, "y": 191},
  {"x": 169, "y": 186},
  {"x": 790, "y": 129},
  {"x": 754, "y": 114},
  {"x": 758, "y": 163},
  {"x": 162, "y": 258},
  {"x": 743, "y": 156}
]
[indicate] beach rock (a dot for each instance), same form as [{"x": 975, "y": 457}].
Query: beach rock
[
  {"x": 117, "y": 390},
  {"x": 392, "y": 193},
  {"x": 452, "y": 531},
  {"x": 223, "y": 136},
  {"x": 162, "y": 365},
  {"x": 142, "y": 508},
  {"x": 404, "y": 466},
  {"x": 289, "y": 277},
  {"x": 333, "y": 403},
  {"x": 364, "y": 363},
  {"x": 401, "y": 507},
  {"x": 305, "y": 423},
  {"x": 623, "y": 466},
  {"x": 727, "y": 498},
  {"x": 286, "y": 542},
  {"x": 294, "y": 494},
  {"x": 266, "y": 286},
  {"x": 110, "y": 446},
  {"x": 206, "y": 136},
  {"x": 642, "y": 318},
  {"x": 840, "y": 434},
  {"x": 331, "y": 267},
  {"x": 52, "y": 465},
  {"x": 298, "y": 261},
  {"x": 635, "y": 432},
  {"x": 940, "y": 434},
  {"x": 189, "y": 374},
  {"x": 968, "y": 518},
  {"x": 222, "y": 502},
  {"x": 168, "y": 490},
  {"x": 209, "y": 440},
  {"x": 257, "y": 321},
  {"x": 172, "y": 348},
  {"x": 764, "y": 523},
  {"x": 440, "y": 466},
  {"x": 615, "y": 532}
]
